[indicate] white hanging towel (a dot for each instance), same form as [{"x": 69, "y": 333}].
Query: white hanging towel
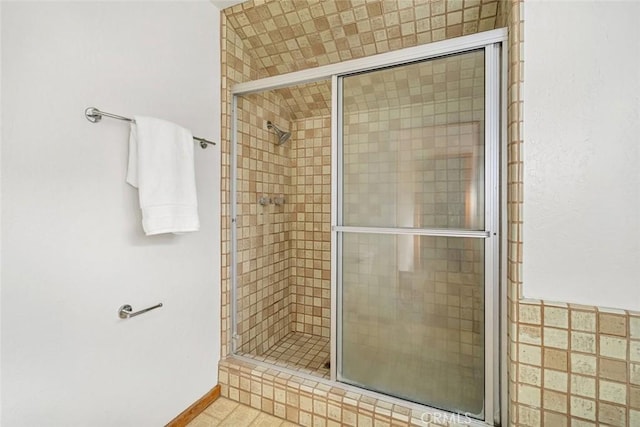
[{"x": 161, "y": 168}]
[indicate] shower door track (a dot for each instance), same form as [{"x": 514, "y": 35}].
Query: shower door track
[{"x": 495, "y": 85}]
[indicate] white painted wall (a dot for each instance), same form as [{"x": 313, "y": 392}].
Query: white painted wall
[
  {"x": 1, "y": 214},
  {"x": 582, "y": 152},
  {"x": 73, "y": 246},
  {"x": 223, "y": 4}
]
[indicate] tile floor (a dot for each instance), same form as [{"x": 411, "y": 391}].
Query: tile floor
[
  {"x": 302, "y": 352},
  {"x": 225, "y": 412}
]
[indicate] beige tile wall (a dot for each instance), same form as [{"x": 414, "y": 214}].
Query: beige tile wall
[
  {"x": 264, "y": 169},
  {"x": 283, "y": 251},
  {"x": 577, "y": 365},
  {"x": 311, "y": 226}
]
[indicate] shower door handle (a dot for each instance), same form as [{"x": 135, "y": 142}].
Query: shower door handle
[{"x": 126, "y": 311}]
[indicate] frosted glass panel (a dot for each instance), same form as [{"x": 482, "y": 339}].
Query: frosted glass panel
[
  {"x": 413, "y": 318},
  {"x": 413, "y": 145},
  {"x": 412, "y": 306}
]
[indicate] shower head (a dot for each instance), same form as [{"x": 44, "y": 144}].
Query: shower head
[{"x": 283, "y": 136}]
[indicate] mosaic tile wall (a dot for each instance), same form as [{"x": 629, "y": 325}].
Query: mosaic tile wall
[
  {"x": 264, "y": 247},
  {"x": 577, "y": 365},
  {"x": 311, "y": 226},
  {"x": 283, "y": 251}
]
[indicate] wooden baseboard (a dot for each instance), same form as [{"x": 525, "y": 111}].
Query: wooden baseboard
[{"x": 194, "y": 410}]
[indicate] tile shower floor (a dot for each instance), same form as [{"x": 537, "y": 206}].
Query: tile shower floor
[{"x": 301, "y": 352}]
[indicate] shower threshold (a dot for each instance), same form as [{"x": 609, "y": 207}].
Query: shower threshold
[
  {"x": 344, "y": 397},
  {"x": 297, "y": 351}
]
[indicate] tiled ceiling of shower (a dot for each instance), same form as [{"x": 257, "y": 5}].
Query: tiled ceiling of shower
[
  {"x": 309, "y": 100},
  {"x": 291, "y": 35}
]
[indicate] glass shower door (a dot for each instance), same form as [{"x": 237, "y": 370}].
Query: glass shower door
[{"x": 412, "y": 232}]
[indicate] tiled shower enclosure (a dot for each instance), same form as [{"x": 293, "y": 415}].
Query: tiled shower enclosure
[
  {"x": 411, "y": 157},
  {"x": 283, "y": 294}
]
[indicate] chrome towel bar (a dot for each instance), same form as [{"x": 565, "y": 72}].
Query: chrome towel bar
[
  {"x": 94, "y": 116},
  {"x": 125, "y": 312}
]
